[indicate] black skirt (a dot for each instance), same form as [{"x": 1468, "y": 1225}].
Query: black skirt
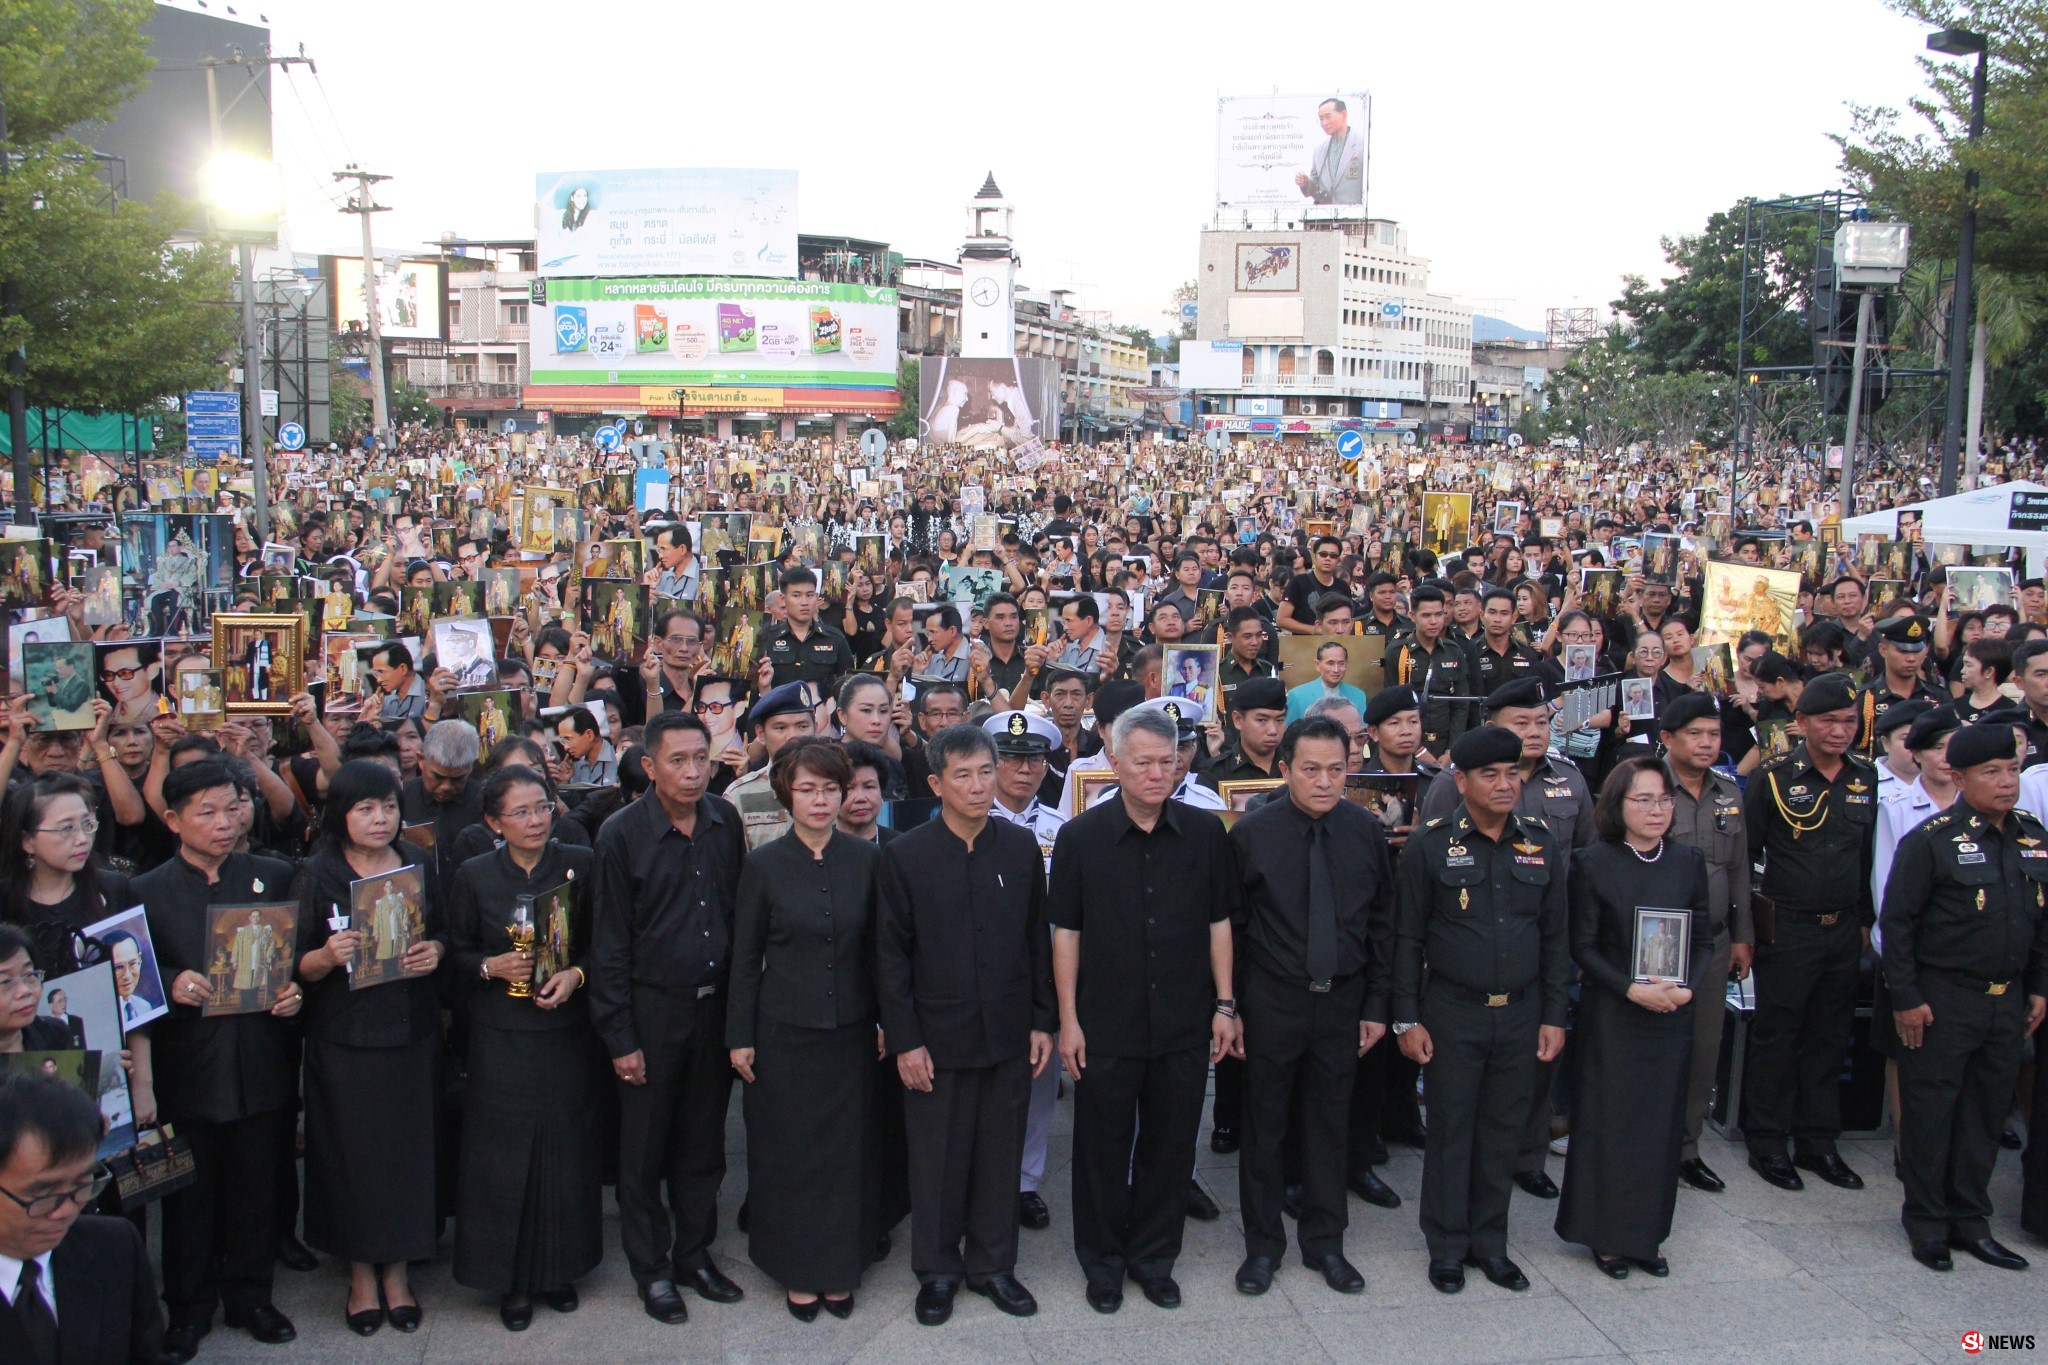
[
  {"x": 1628, "y": 1125},
  {"x": 370, "y": 1115},
  {"x": 808, "y": 1132},
  {"x": 528, "y": 1206},
  {"x": 887, "y": 1182}
]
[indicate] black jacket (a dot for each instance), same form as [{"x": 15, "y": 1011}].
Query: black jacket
[
  {"x": 803, "y": 936},
  {"x": 107, "y": 1311}
]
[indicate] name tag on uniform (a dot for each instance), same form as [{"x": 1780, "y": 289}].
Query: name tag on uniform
[
  {"x": 1969, "y": 857},
  {"x": 1465, "y": 861}
]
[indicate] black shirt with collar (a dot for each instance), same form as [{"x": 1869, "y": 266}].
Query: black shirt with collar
[
  {"x": 1818, "y": 837},
  {"x": 449, "y": 819},
  {"x": 1233, "y": 766},
  {"x": 663, "y": 915},
  {"x": 1005, "y": 674},
  {"x": 803, "y": 938},
  {"x": 228, "y": 1066},
  {"x": 1272, "y": 850},
  {"x": 1496, "y": 669},
  {"x": 1967, "y": 900},
  {"x": 480, "y": 903},
  {"x": 822, "y": 656},
  {"x": 1142, "y": 903}
]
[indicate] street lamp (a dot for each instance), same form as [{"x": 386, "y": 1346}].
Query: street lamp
[
  {"x": 1585, "y": 431},
  {"x": 1958, "y": 42},
  {"x": 246, "y": 195}
]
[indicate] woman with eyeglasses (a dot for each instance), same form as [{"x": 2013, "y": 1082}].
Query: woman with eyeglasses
[
  {"x": 53, "y": 886},
  {"x": 21, "y": 991},
  {"x": 1642, "y": 935},
  {"x": 528, "y": 1217}
]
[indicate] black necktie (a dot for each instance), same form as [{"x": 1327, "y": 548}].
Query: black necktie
[
  {"x": 38, "y": 1323},
  {"x": 1322, "y": 906}
]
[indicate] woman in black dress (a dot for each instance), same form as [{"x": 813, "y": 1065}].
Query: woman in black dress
[
  {"x": 1634, "y": 1038},
  {"x": 53, "y": 886},
  {"x": 372, "y": 1057},
  {"x": 528, "y": 1220},
  {"x": 801, "y": 1027}
]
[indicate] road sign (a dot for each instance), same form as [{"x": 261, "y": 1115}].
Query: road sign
[
  {"x": 1216, "y": 439},
  {"x": 874, "y": 442},
  {"x": 213, "y": 423},
  {"x": 266, "y": 402},
  {"x": 1350, "y": 445},
  {"x": 606, "y": 438},
  {"x": 291, "y": 436}
]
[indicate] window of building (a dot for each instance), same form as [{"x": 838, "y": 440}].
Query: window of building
[
  {"x": 515, "y": 311},
  {"x": 1286, "y": 370},
  {"x": 1326, "y": 364},
  {"x": 454, "y": 314},
  {"x": 462, "y": 372},
  {"x": 506, "y": 368}
]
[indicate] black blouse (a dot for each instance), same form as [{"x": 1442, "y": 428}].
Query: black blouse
[
  {"x": 1610, "y": 883},
  {"x": 395, "y": 1014},
  {"x": 803, "y": 937},
  {"x": 50, "y": 928},
  {"x": 480, "y": 903}
]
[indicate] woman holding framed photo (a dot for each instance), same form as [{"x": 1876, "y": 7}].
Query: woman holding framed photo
[{"x": 1641, "y": 933}]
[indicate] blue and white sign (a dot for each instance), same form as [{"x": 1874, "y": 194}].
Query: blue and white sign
[
  {"x": 1390, "y": 310},
  {"x": 291, "y": 436},
  {"x": 606, "y": 438},
  {"x": 1350, "y": 445},
  {"x": 213, "y": 423},
  {"x": 874, "y": 443},
  {"x": 572, "y": 329}
]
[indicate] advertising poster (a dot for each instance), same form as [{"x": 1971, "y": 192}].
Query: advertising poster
[
  {"x": 988, "y": 404},
  {"x": 666, "y": 222},
  {"x": 409, "y": 297},
  {"x": 1309, "y": 151}
]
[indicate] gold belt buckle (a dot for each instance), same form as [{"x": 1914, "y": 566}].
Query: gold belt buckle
[
  {"x": 1494, "y": 1002},
  {"x": 1830, "y": 919},
  {"x": 1996, "y": 988}
]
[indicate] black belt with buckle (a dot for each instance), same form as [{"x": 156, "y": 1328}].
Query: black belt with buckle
[
  {"x": 1491, "y": 999},
  {"x": 1975, "y": 985},
  {"x": 1810, "y": 917}
]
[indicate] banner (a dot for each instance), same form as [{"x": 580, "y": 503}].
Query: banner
[
  {"x": 666, "y": 222},
  {"x": 988, "y": 404},
  {"x": 410, "y": 297},
  {"x": 1294, "y": 152}
]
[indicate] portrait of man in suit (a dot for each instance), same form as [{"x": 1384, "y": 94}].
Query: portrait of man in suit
[
  {"x": 1336, "y": 171},
  {"x": 135, "y": 986},
  {"x": 56, "y": 1005}
]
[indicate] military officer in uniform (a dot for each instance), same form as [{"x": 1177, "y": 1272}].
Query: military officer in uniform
[
  {"x": 1813, "y": 815},
  {"x": 1497, "y": 655},
  {"x": 1707, "y": 815},
  {"x": 1965, "y": 934},
  {"x": 1258, "y": 716},
  {"x": 781, "y": 715},
  {"x": 803, "y": 648},
  {"x": 1439, "y": 670},
  {"x": 1481, "y": 915},
  {"x": 1902, "y": 651},
  {"x": 1022, "y": 743}
]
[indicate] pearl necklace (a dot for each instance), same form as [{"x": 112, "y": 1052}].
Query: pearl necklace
[{"x": 1642, "y": 856}]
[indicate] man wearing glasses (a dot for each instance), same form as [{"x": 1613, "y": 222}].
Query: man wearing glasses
[
  {"x": 97, "y": 1267},
  {"x": 1297, "y": 612},
  {"x": 674, "y": 657}
]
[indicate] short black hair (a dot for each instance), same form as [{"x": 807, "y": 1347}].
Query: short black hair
[
  {"x": 394, "y": 655},
  {"x": 1312, "y": 727},
  {"x": 798, "y": 577},
  {"x": 662, "y": 722},
  {"x": 1428, "y": 592},
  {"x": 945, "y": 618},
  {"x": 580, "y": 720},
  {"x": 957, "y": 741},
  {"x": 661, "y": 622},
  {"x": 183, "y": 784},
  {"x": 1239, "y": 615},
  {"x": 368, "y": 741},
  {"x": 58, "y": 1112},
  {"x": 861, "y": 754},
  {"x": 354, "y": 782},
  {"x": 2027, "y": 653}
]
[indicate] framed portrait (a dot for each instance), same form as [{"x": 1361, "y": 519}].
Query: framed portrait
[
  {"x": 102, "y": 589},
  {"x": 1303, "y": 659},
  {"x": 250, "y": 952},
  {"x": 1660, "y": 558},
  {"x": 1089, "y": 785},
  {"x": 262, "y": 661},
  {"x": 24, "y": 572},
  {"x": 739, "y": 634},
  {"x": 87, "y": 1004},
  {"x": 202, "y": 697},
  {"x": 465, "y": 647},
  {"x": 1446, "y": 521},
  {"x": 1973, "y": 589},
  {"x": 387, "y": 910},
  {"x": 1238, "y": 795},
  {"x": 1600, "y": 590},
  {"x": 537, "y": 517},
  {"x": 1189, "y": 673},
  {"x": 58, "y": 678},
  {"x": 615, "y": 614},
  {"x": 1639, "y": 698},
  {"x": 1714, "y": 668},
  {"x": 458, "y": 598},
  {"x": 131, "y": 679},
  {"x": 1743, "y": 597},
  {"x": 140, "y": 993},
  {"x": 342, "y": 661},
  {"x": 1505, "y": 515},
  {"x": 1550, "y": 528},
  {"x": 1663, "y": 945},
  {"x": 551, "y": 933},
  {"x": 492, "y": 713}
]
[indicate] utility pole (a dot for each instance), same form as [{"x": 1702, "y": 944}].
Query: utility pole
[
  {"x": 360, "y": 204},
  {"x": 1866, "y": 307}
]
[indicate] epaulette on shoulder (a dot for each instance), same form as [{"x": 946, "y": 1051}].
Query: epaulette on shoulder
[
  {"x": 1535, "y": 820},
  {"x": 1778, "y": 761},
  {"x": 1854, "y": 757},
  {"x": 1939, "y": 819}
]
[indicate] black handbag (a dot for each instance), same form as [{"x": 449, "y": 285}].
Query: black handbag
[{"x": 159, "y": 1163}]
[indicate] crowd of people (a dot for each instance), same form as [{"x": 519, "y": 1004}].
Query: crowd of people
[{"x": 1417, "y": 799}]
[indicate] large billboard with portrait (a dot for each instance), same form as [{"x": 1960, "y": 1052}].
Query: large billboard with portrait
[
  {"x": 410, "y": 297},
  {"x": 715, "y": 332},
  {"x": 988, "y": 404},
  {"x": 666, "y": 222},
  {"x": 1309, "y": 153}
]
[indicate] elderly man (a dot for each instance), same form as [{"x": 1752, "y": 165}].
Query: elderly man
[{"x": 444, "y": 799}]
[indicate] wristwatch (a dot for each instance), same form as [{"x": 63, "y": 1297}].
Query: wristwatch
[
  {"x": 1400, "y": 1029},
  {"x": 485, "y": 969}
]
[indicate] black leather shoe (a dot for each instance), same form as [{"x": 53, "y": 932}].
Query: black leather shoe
[
  {"x": 1446, "y": 1277},
  {"x": 1290, "y": 1202},
  {"x": 935, "y": 1301},
  {"x": 1105, "y": 1298},
  {"x": 1776, "y": 1170},
  {"x": 1255, "y": 1276},
  {"x": 1537, "y": 1183},
  {"x": 1933, "y": 1255},
  {"x": 1160, "y": 1293},
  {"x": 514, "y": 1310},
  {"x": 1005, "y": 1293},
  {"x": 802, "y": 1312},
  {"x": 663, "y": 1303},
  {"x": 264, "y": 1323},
  {"x": 1223, "y": 1140},
  {"x": 562, "y": 1300},
  {"x": 1201, "y": 1207},
  {"x": 182, "y": 1343},
  {"x": 1832, "y": 1169},
  {"x": 1339, "y": 1274},
  {"x": 1990, "y": 1251},
  {"x": 1613, "y": 1267},
  {"x": 293, "y": 1255},
  {"x": 1368, "y": 1186},
  {"x": 1501, "y": 1271},
  {"x": 710, "y": 1283},
  {"x": 840, "y": 1308},
  {"x": 405, "y": 1317},
  {"x": 1032, "y": 1212},
  {"x": 1700, "y": 1176},
  {"x": 1655, "y": 1266}
]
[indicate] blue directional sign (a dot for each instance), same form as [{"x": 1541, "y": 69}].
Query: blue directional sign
[
  {"x": 291, "y": 436},
  {"x": 606, "y": 438},
  {"x": 213, "y": 423},
  {"x": 1350, "y": 445}
]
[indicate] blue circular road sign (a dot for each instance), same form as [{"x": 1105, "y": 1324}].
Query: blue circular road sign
[
  {"x": 291, "y": 436},
  {"x": 1350, "y": 444}
]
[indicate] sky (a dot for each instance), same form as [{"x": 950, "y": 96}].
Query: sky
[{"x": 1535, "y": 152}]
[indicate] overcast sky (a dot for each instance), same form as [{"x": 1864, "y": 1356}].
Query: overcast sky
[{"x": 1535, "y": 152}]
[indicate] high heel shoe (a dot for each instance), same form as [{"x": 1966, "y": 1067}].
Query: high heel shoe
[
  {"x": 840, "y": 1308},
  {"x": 802, "y": 1312},
  {"x": 365, "y": 1323},
  {"x": 1614, "y": 1267},
  {"x": 516, "y": 1312},
  {"x": 405, "y": 1316}
]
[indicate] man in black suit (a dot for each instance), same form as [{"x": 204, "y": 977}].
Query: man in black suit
[
  {"x": 964, "y": 980},
  {"x": 75, "y": 1289},
  {"x": 57, "y": 1006}
]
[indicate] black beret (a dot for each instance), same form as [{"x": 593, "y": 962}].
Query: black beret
[
  {"x": 1112, "y": 699},
  {"x": 1828, "y": 692},
  {"x": 1259, "y": 694},
  {"x": 1907, "y": 632},
  {"x": 2004, "y": 713},
  {"x": 1902, "y": 713},
  {"x": 1931, "y": 726},
  {"x": 1485, "y": 745},
  {"x": 1684, "y": 709},
  {"x": 1520, "y": 692},
  {"x": 1389, "y": 702},
  {"x": 1981, "y": 743}
]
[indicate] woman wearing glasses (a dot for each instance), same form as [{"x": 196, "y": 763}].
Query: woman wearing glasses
[
  {"x": 53, "y": 888},
  {"x": 21, "y": 991},
  {"x": 1642, "y": 935}
]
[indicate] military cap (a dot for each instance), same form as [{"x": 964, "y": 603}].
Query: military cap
[
  {"x": 1259, "y": 694},
  {"x": 1521, "y": 692},
  {"x": 1981, "y": 743},
  {"x": 1684, "y": 709},
  {"x": 1485, "y": 745},
  {"x": 1828, "y": 692},
  {"x": 1389, "y": 702},
  {"x": 1021, "y": 733}
]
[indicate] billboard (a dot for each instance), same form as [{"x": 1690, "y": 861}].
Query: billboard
[
  {"x": 666, "y": 222},
  {"x": 988, "y": 404},
  {"x": 1294, "y": 152},
  {"x": 716, "y": 332},
  {"x": 1212, "y": 364},
  {"x": 411, "y": 298}
]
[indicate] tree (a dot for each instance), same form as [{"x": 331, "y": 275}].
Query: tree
[
  {"x": 1180, "y": 327},
  {"x": 1690, "y": 319},
  {"x": 904, "y": 424},
  {"x": 410, "y": 404},
  {"x": 1141, "y": 337},
  {"x": 348, "y": 403}
]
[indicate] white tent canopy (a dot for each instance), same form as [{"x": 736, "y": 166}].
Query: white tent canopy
[{"x": 1980, "y": 517}]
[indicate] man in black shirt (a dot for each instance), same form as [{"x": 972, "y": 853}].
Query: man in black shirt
[
  {"x": 802, "y": 648},
  {"x": 226, "y": 1082},
  {"x": 1483, "y": 915},
  {"x": 1317, "y": 924},
  {"x": 1140, "y": 908},
  {"x": 1258, "y": 717},
  {"x": 668, "y": 871},
  {"x": 1010, "y": 661},
  {"x": 1902, "y": 649},
  {"x": 1496, "y": 653},
  {"x": 1381, "y": 593},
  {"x": 445, "y": 798},
  {"x": 1439, "y": 670},
  {"x": 1298, "y": 611},
  {"x": 2030, "y": 675}
]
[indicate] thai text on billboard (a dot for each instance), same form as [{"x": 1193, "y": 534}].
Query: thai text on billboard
[
  {"x": 666, "y": 222},
  {"x": 1310, "y": 154}
]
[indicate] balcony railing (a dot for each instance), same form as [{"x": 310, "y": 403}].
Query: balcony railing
[{"x": 469, "y": 391}]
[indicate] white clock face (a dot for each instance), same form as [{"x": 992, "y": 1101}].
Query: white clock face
[{"x": 985, "y": 292}]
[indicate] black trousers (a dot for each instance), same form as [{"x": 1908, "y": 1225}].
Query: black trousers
[
  {"x": 1481, "y": 1079},
  {"x": 1296, "y": 1038},
  {"x": 220, "y": 1232},
  {"x": 1954, "y": 1090},
  {"x": 2034, "y": 1163},
  {"x": 966, "y": 1137},
  {"x": 1135, "y": 1123},
  {"x": 1382, "y": 1098},
  {"x": 1805, "y": 1009},
  {"x": 672, "y": 1132},
  {"x": 1228, "y": 1110}
]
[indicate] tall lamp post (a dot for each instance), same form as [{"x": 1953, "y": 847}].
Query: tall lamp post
[
  {"x": 1958, "y": 42},
  {"x": 246, "y": 195}
]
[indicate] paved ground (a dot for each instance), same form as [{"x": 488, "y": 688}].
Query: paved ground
[{"x": 1819, "y": 1276}]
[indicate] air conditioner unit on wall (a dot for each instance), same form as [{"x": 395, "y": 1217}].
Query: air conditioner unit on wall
[{"x": 1308, "y": 407}]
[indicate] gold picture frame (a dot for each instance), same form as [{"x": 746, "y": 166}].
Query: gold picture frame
[
  {"x": 1088, "y": 783},
  {"x": 537, "y": 505},
  {"x": 270, "y": 690},
  {"x": 1237, "y": 795}
]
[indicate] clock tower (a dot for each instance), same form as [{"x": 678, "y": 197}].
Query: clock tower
[{"x": 988, "y": 277}]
